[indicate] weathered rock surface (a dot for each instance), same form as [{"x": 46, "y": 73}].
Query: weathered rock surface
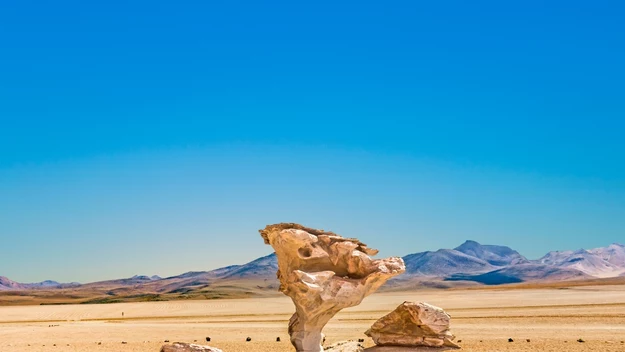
[
  {"x": 188, "y": 347},
  {"x": 323, "y": 273},
  {"x": 345, "y": 346},
  {"x": 413, "y": 324}
]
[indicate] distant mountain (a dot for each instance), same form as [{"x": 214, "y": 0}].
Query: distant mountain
[
  {"x": 8, "y": 284},
  {"x": 494, "y": 255},
  {"x": 264, "y": 267},
  {"x": 613, "y": 254},
  {"x": 467, "y": 264},
  {"x": 591, "y": 263},
  {"x": 522, "y": 273},
  {"x": 261, "y": 269},
  {"x": 44, "y": 284},
  {"x": 444, "y": 262}
]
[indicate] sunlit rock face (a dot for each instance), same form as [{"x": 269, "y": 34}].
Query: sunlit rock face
[
  {"x": 413, "y": 324},
  {"x": 323, "y": 273}
]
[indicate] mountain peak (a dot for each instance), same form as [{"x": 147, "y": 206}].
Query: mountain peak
[
  {"x": 494, "y": 255},
  {"x": 469, "y": 244}
]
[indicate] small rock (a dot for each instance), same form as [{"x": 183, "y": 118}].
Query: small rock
[
  {"x": 248, "y": 339},
  {"x": 510, "y": 340},
  {"x": 278, "y": 339},
  {"x": 459, "y": 341},
  {"x": 124, "y": 342},
  {"x": 208, "y": 339},
  {"x": 166, "y": 340},
  {"x": 580, "y": 340},
  {"x": 528, "y": 340}
]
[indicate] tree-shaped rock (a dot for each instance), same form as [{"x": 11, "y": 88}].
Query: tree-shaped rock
[{"x": 323, "y": 273}]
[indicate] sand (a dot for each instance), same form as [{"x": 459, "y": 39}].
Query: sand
[{"x": 551, "y": 318}]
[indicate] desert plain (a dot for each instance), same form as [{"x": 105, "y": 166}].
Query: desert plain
[{"x": 541, "y": 318}]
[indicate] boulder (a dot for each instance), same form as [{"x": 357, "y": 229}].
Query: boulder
[
  {"x": 413, "y": 324},
  {"x": 188, "y": 347},
  {"x": 323, "y": 273}
]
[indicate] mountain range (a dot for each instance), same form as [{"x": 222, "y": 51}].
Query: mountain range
[{"x": 468, "y": 264}]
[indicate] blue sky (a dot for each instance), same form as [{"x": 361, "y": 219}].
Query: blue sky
[{"x": 156, "y": 137}]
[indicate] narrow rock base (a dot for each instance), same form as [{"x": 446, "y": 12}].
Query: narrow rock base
[
  {"x": 408, "y": 349},
  {"x": 188, "y": 347},
  {"x": 345, "y": 346}
]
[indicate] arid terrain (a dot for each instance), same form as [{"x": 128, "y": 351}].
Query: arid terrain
[{"x": 483, "y": 319}]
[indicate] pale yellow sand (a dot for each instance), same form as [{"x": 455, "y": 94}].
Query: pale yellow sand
[{"x": 553, "y": 319}]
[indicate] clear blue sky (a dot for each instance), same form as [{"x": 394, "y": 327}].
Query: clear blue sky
[{"x": 154, "y": 137}]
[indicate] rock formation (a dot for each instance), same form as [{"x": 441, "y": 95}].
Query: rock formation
[
  {"x": 188, "y": 347},
  {"x": 413, "y": 324},
  {"x": 323, "y": 273}
]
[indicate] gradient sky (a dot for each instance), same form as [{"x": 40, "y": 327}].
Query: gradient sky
[{"x": 154, "y": 137}]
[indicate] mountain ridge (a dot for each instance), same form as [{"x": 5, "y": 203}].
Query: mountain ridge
[{"x": 469, "y": 262}]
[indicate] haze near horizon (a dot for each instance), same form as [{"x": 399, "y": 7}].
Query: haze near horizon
[{"x": 148, "y": 138}]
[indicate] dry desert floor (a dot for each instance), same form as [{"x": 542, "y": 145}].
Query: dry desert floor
[{"x": 539, "y": 319}]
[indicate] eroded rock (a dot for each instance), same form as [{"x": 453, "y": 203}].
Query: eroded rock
[
  {"x": 413, "y": 324},
  {"x": 323, "y": 273},
  {"x": 188, "y": 347}
]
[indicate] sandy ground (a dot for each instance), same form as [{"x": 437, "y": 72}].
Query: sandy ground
[{"x": 483, "y": 320}]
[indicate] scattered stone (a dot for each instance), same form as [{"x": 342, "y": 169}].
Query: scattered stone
[
  {"x": 124, "y": 342},
  {"x": 580, "y": 340},
  {"x": 208, "y": 339},
  {"x": 248, "y": 339},
  {"x": 166, "y": 340},
  {"x": 277, "y": 339},
  {"x": 188, "y": 347},
  {"x": 345, "y": 346},
  {"x": 361, "y": 340},
  {"x": 510, "y": 340},
  {"x": 528, "y": 340},
  {"x": 413, "y": 324},
  {"x": 323, "y": 273},
  {"x": 459, "y": 341},
  {"x": 99, "y": 343}
]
